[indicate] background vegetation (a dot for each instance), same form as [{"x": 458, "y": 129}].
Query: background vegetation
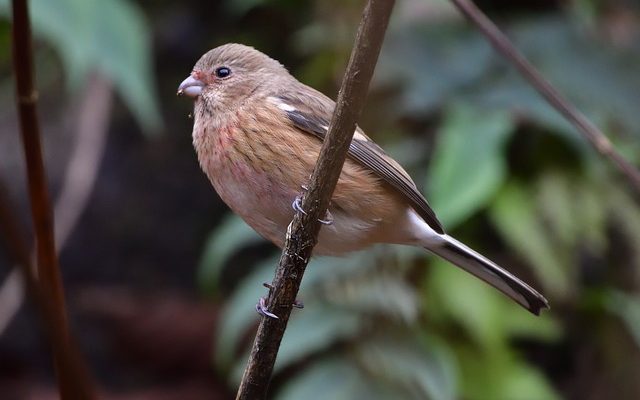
[{"x": 162, "y": 279}]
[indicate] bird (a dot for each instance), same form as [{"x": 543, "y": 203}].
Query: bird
[{"x": 257, "y": 133}]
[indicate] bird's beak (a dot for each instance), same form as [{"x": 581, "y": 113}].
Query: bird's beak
[{"x": 191, "y": 87}]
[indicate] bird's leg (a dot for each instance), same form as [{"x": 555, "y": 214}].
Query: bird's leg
[
  {"x": 297, "y": 206},
  {"x": 328, "y": 218},
  {"x": 261, "y": 306}
]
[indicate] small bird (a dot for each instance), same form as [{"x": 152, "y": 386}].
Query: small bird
[{"x": 257, "y": 133}]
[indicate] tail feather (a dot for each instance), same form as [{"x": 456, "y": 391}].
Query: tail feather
[{"x": 483, "y": 268}]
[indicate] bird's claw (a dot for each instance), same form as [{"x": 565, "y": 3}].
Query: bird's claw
[
  {"x": 328, "y": 219},
  {"x": 261, "y": 308},
  {"x": 297, "y": 206}
]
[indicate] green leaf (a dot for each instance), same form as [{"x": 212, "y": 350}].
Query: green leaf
[
  {"x": 627, "y": 307},
  {"x": 421, "y": 369},
  {"x": 502, "y": 376},
  {"x": 468, "y": 164},
  {"x": 239, "y": 8},
  {"x": 575, "y": 210},
  {"x": 626, "y": 215},
  {"x": 378, "y": 294},
  {"x": 239, "y": 313},
  {"x": 570, "y": 59},
  {"x": 438, "y": 59},
  {"x": 313, "y": 329},
  {"x": 336, "y": 379},
  {"x": 514, "y": 213},
  {"x": 231, "y": 235},
  {"x": 487, "y": 316},
  {"x": 110, "y": 36}
]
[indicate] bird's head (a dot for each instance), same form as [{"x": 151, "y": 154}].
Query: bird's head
[{"x": 227, "y": 75}]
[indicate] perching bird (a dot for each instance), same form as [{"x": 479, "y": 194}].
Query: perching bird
[{"x": 257, "y": 132}]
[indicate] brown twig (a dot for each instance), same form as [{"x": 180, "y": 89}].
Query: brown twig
[
  {"x": 303, "y": 231},
  {"x": 72, "y": 377},
  {"x": 69, "y": 364},
  {"x": 593, "y": 135}
]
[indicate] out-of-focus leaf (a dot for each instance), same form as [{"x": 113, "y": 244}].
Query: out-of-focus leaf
[
  {"x": 327, "y": 270},
  {"x": 515, "y": 215},
  {"x": 571, "y": 59},
  {"x": 110, "y": 36},
  {"x": 380, "y": 293},
  {"x": 502, "y": 376},
  {"x": 468, "y": 164},
  {"x": 422, "y": 370},
  {"x": 241, "y": 7},
  {"x": 443, "y": 62},
  {"x": 335, "y": 379},
  {"x": 575, "y": 209},
  {"x": 314, "y": 329},
  {"x": 627, "y": 307},
  {"x": 231, "y": 235},
  {"x": 240, "y": 314},
  {"x": 432, "y": 62},
  {"x": 371, "y": 282},
  {"x": 488, "y": 316},
  {"x": 624, "y": 210},
  {"x": 310, "y": 331},
  {"x": 557, "y": 198}
]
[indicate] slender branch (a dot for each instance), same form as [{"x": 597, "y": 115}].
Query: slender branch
[
  {"x": 69, "y": 363},
  {"x": 72, "y": 378},
  {"x": 586, "y": 128},
  {"x": 302, "y": 233}
]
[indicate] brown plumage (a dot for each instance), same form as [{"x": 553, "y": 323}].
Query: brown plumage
[{"x": 257, "y": 134}]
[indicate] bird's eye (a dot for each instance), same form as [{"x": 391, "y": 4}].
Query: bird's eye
[{"x": 223, "y": 72}]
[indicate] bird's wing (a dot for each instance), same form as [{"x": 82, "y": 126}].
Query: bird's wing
[{"x": 312, "y": 115}]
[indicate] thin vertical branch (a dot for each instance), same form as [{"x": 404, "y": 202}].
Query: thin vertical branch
[
  {"x": 302, "y": 233},
  {"x": 72, "y": 378},
  {"x": 74, "y": 382},
  {"x": 585, "y": 127}
]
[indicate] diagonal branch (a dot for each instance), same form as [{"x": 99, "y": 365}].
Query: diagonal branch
[
  {"x": 584, "y": 126},
  {"x": 72, "y": 377},
  {"x": 302, "y": 233}
]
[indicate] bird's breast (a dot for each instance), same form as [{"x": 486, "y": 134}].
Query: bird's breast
[
  {"x": 258, "y": 165},
  {"x": 245, "y": 179}
]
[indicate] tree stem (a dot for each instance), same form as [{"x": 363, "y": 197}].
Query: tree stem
[
  {"x": 302, "y": 233},
  {"x": 73, "y": 381}
]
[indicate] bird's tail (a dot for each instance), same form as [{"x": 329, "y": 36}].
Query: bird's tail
[{"x": 476, "y": 264}]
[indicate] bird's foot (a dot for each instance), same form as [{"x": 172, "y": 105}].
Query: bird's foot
[
  {"x": 297, "y": 206},
  {"x": 261, "y": 308},
  {"x": 328, "y": 219}
]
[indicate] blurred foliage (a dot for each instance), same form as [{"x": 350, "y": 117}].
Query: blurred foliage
[
  {"x": 109, "y": 36},
  {"x": 505, "y": 172}
]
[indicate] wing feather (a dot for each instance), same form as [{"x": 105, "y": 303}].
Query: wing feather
[{"x": 362, "y": 149}]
